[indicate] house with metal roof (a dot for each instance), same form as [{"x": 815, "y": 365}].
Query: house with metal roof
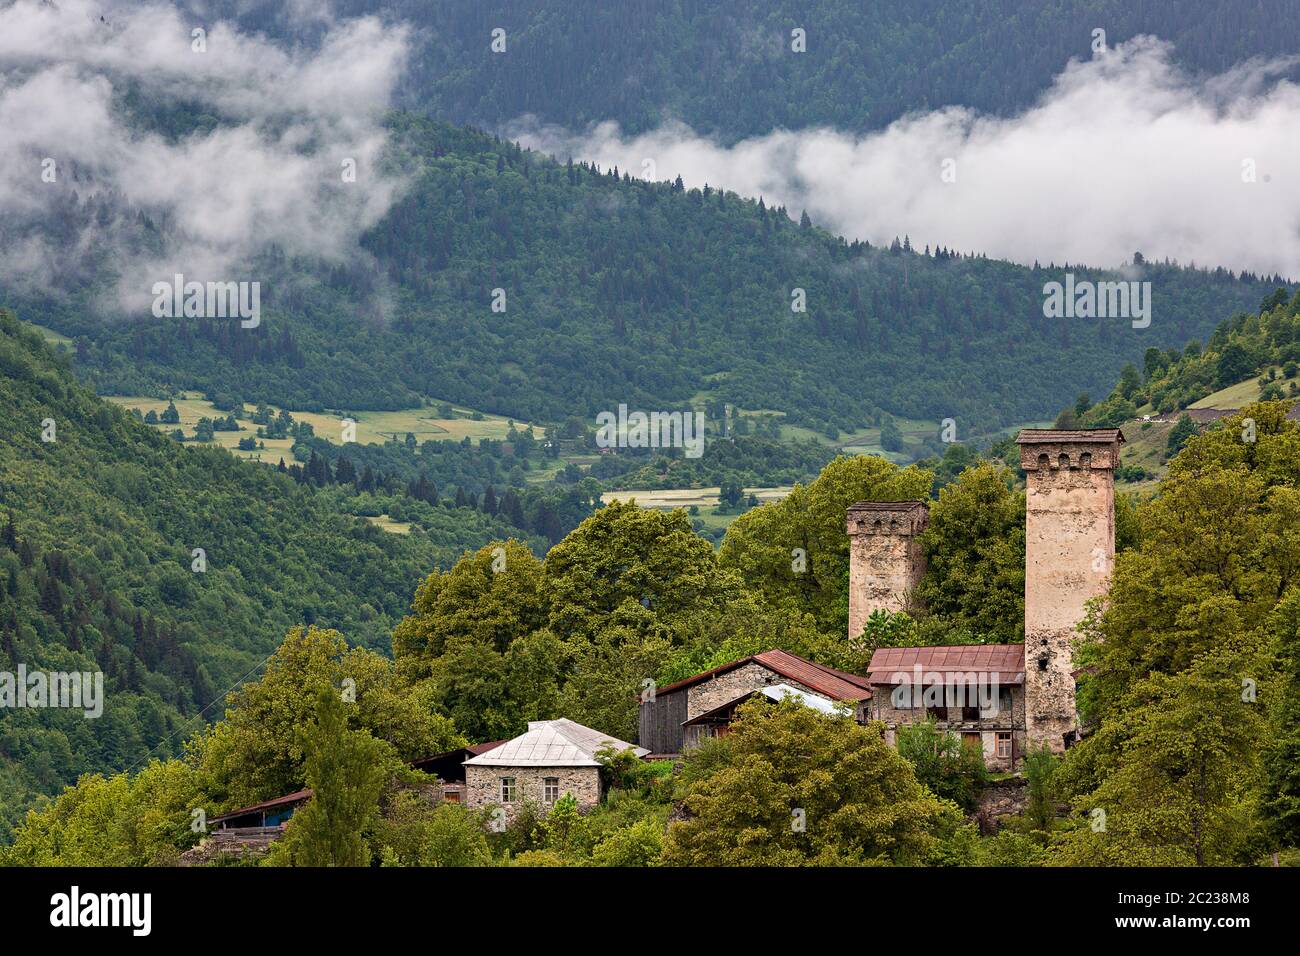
[
  {"x": 552, "y": 759},
  {"x": 666, "y": 714},
  {"x": 974, "y": 691}
]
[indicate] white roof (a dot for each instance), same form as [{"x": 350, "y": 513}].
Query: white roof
[
  {"x": 552, "y": 743},
  {"x": 779, "y": 692}
]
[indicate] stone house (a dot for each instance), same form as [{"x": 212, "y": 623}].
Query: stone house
[
  {"x": 668, "y": 717},
  {"x": 552, "y": 759},
  {"x": 974, "y": 691},
  {"x": 717, "y": 722}
]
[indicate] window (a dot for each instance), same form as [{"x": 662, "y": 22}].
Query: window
[
  {"x": 1004, "y": 744},
  {"x": 508, "y": 790},
  {"x": 550, "y": 789}
]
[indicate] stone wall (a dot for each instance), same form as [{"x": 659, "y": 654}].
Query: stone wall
[
  {"x": 1006, "y": 798},
  {"x": 886, "y": 561},
  {"x": 726, "y": 687},
  {"x": 483, "y": 786},
  {"x": 1069, "y": 554}
]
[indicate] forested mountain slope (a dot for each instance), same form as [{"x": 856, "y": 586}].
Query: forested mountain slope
[
  {"x": 617, "y": 290},
  {"x": 97, "y": 570},
  {"x": 582, "y": 61}
]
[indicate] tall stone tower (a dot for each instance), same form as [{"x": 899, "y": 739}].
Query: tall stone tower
[
  {"x": 1069, "y": 554},
  {"x": 885, "y": 558}
]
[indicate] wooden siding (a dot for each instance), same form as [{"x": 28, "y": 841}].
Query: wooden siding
[{"x": 661, "y": 721}]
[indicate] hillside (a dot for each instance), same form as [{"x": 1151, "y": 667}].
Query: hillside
[
  {"x": 1250, "y": 357},
  {"x": 622, "y": 291},
  {"x": 97, "y": 570},
  {"x": 583, "y": 61}
]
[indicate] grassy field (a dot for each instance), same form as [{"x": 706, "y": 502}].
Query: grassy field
[
  {"x": 685, "y": 497},
  {"x": 54, "y": 338},
  {"x": 1145, "y": 444},
  {"x": 1234, "y": 396},
  {"x": 376, "y": 427},
  {"x": 388, "y": 524},
  {"x": 705, "y": 500}
]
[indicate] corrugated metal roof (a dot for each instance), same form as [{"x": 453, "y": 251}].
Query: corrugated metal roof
[
  {"x": 289, "y": 798},
  {"x": 1035, "y": 436},
  {"x": 779, "y": 692},
  {"x": 552, "y": 743},
  {"x": 776, "y": 692},
  {"x": 1005, "y": 660},
  {"x": 825, "y": 680},
  {"x": 834, "y": 684}
]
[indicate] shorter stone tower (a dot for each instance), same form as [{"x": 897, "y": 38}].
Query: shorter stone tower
[
  {"x": 1069, "y": 554},
  {"x": 885, "y": 558}
]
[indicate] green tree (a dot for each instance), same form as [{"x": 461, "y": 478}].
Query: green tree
[
  {"x": 790, "y": 786},
  {"x": 1183, "y": 430},
  {"x": 975, "y": 553},
  {"x": 942, "y": 761},
  {"x": 1039, "y": 768},
  {"x": 346, "y": 770},
  {"x": 794, "y": 552}
]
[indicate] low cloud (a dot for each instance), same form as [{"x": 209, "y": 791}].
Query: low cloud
[
  {"x": 203, "y": 203},
  {"x": 1123, "y": 153}
]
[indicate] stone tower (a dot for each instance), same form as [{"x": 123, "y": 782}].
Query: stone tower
[
  {"x": 1069, "y": 554},
  {"x": 885, "y": 558}
]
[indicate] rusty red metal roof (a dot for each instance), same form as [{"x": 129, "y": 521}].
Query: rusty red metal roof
[
  {"x": 1005, "y": 660},
  {"x": 836, "y": 684},
  {"x": 298, "y": 796}
]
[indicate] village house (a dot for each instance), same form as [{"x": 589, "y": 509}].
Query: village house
[
  {"x": 975, "y": 691},
  {"x": 552, "y": 759},
  {"x": 449, "y": 768},
  {"x": 670, "y": 718},
  {"x": 1003, "y": 698},
  {"x": 717, "y": 722}
]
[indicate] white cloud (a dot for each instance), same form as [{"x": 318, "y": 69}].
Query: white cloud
[
  {"x": 269, "y": 174},
  {"x": 1122, "y": 153}
]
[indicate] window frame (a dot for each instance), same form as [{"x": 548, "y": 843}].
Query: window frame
[{"x": 508, "y": 789}]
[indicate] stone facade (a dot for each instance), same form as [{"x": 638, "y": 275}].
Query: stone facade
[
  {"x": 999, "y": 802},
  {"x": 1069, "y": 554},
  {"x": 716, "y": 691},
  {"x": 1006, "y": 717},
  {"x": 885, "y": 558},
  {"x": 483, "y": 786},
  {"x": 724, "y": 688}
]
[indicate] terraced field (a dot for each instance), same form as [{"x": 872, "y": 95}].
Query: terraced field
[{"x": 372, "y": 427}]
